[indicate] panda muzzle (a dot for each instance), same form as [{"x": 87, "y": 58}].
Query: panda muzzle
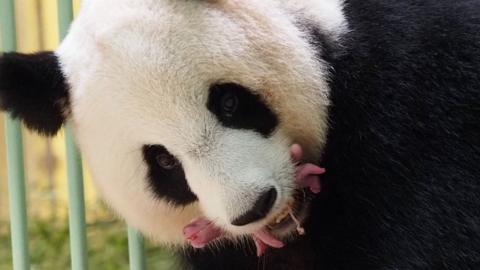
[{"x": 201, "y": 231}]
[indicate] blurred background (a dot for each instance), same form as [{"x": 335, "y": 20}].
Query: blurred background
[{"x": 45, "y": 175}]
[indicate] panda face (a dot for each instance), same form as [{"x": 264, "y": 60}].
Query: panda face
[
  {"x": 185, "y": 109},
  {"x": 234, "y": 107}
]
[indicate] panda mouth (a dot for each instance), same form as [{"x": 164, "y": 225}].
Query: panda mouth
[
  {"x": 292, "y": 215},
  {"x": 295, "y": 210},
  {"x": 202, "y": 231},
  {"x": 288, "y": 222}
]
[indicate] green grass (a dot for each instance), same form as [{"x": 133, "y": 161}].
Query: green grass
[{"x": 107, "y": 247}]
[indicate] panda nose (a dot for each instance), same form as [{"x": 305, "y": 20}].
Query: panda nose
[{"x": 260, "y": 209}]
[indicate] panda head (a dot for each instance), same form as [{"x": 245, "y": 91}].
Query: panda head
[{"x": 183, "y": 109}]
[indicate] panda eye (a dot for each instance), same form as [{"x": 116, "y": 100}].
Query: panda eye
[
  {"x": 229, "y": 104},
  {"x": 238, "y": 107},
  {"x": 166, "y": 161}
]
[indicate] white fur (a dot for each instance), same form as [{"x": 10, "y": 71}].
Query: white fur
[{"x": 139, "y": 72}]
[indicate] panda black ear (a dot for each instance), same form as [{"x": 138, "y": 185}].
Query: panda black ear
[{"x": 33, "y": 89}]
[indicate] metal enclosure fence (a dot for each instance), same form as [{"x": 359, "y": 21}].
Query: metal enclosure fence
[{"x": 16, "y": 175}]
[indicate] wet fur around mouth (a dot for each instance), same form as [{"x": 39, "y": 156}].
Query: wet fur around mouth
[{"x": 283, "y": 224}]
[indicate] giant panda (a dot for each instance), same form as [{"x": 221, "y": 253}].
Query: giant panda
[{"x": 274, "y": 134}]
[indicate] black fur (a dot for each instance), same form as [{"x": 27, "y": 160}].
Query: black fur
[
  {"x": 168, "y": 185},
  {"x": 402, "y": 189},
  {"x": 33, "y": 88},
  {"x": 251, "y": 112}
]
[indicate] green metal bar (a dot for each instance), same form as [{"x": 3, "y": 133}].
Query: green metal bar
[
  {"x": 7, "y": 25},
  {"x": 76, "y": 203},
  {"x": 16, "y": 190},
  {"x": 65, "y": 16},
  {"x": 76, "y": 200},
  {"x": 13, "y": 135},
  {"x": 136, "y": 250}
]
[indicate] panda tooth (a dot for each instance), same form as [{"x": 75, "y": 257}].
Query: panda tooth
[
  {"x": 300, "y": 229},
  {"x": 282, "y": 216},
  {"x": 285, "y": 212}
]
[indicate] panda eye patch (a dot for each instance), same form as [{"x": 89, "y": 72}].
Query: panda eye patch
[
  {"x": 166, "y": 177},
  {"x": 237, "y": 107}
]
